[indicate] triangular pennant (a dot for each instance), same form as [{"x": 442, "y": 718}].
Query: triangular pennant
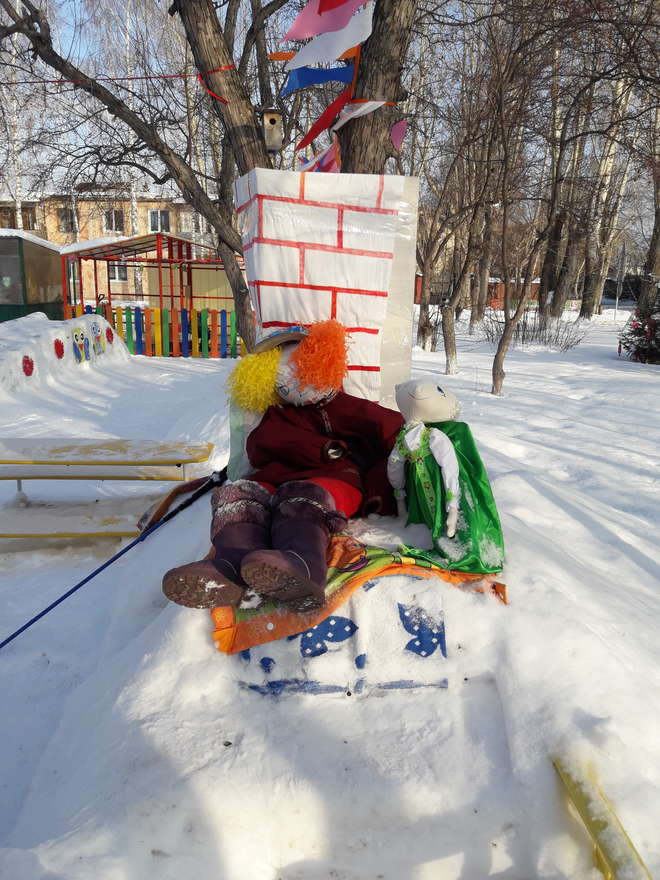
[
  {"x": 397, "y": 134},
  {"x": 307, "y": 76},
  {"x": 329, "y": 5},
  {"x": 310, "y": 22},
  {"x": 358, "y": 108},
  {"x": 286, "y": 56},
  {"x": 325, "y": 119},
  {"x": 327, "y": 160},
  {"x": 328, "y": 47}
]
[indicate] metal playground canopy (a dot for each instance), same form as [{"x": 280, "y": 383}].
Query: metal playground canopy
[{"x": 172, "y": 265}]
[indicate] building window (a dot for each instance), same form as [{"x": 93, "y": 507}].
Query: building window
[
  {"x": 113, "y": 220},
  {"x": 159, "y": 221},
  {"x": 117, "y": 272},
  {"x": 7, "y": 218},
  {"x": 201, "y": 225},
  {"x": 29, "y": 216},
  {"x": 66, "y": 221}
]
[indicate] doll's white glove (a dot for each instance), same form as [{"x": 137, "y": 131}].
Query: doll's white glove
[{"x": 452, "y": 519}]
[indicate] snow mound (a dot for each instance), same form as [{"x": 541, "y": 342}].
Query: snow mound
[{"x": 35, "y": 350}]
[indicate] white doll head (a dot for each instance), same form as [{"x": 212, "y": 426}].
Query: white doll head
[
  {"x": 289, "y": 386},
  {"x": 423, "y": 400}
]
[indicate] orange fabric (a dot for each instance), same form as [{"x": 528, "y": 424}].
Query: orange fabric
[{"x": 233, "y": 636}]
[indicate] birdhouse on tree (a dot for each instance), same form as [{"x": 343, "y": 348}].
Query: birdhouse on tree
[{"x": 271, "y": 122}]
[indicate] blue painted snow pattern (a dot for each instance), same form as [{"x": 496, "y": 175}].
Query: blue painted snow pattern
[
  {"x": 278, "y": 669},
  {"x": 428, "y": 634}
]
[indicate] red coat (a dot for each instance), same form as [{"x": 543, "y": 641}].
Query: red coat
[{"x": 292, "y": 443}]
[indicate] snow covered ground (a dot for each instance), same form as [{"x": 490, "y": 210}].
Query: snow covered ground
[{"x": 129, "y": 751}]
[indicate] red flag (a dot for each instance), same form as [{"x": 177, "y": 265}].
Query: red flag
[
  {"x": 327, "y": 5},
  {"x": 326, "y": 118}
]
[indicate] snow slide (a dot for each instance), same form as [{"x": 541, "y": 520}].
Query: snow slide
[{"x": 132, "y": 750}]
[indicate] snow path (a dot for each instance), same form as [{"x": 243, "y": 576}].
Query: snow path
[{"x": 117, "y": 710}]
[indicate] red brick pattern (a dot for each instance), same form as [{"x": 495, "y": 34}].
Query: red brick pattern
[{"x": 321, "y": 246}]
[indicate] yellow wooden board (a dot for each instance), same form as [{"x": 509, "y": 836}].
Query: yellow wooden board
[
  {"x": 65, "y": 451},
  {"x": 614, "y": 852},
  {"x": 172, "y": 473},
  {"x": 104, "y": 518}
]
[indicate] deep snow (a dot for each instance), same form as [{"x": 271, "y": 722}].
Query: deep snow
[{"x": 129, "y": 752}]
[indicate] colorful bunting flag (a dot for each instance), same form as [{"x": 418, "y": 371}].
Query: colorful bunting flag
[
  {"x": 310, "y": 22},
  {"x": 285, "y": 56},
  {"x": 328, "y": 47},
  {"x": 308, "y": 76},
  {"x": 327, "y": 160},
  {"x": 325, "y": 119},
  {"x": 328, "y": 5},
  {"x": 356, "y": 108},
  {"x": 397, "y": 134}
]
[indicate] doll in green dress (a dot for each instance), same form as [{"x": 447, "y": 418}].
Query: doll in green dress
[{"x": 439, "y": 480}]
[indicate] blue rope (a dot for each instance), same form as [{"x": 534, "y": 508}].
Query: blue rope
[
  {"x": 215, "y": 479},
  {"x": 80, "y": 584}
]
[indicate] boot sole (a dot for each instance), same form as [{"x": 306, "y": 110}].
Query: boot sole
[
  {"x": 271, "y": 582},
  {"x": 195, "y": 591}
]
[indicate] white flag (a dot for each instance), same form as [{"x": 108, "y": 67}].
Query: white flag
[
  {"x": 360, "y": 108},
  {"x": 328, "y": 47}
]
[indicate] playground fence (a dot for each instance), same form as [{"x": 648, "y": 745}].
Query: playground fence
[{"x": 170, "y": 332}]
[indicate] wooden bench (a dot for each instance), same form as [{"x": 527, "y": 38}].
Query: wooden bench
[{"x": 69, "y": 459}]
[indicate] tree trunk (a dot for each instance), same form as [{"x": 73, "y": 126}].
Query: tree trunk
[
  {"x": 365, "y": 142},
  {"x": 424, "y": 328},
  {"x": 483, "y": 270},
  {"x": 567, "y": 276},
  {"x": 591, "y": 276},
  {"x": 245, "y": 319},
  {"x": 498, "y": 361},
  {"x": 449, "y": 339},
  {"x": 548, "y": 283},
  {"x": 651, "y": 277},
  {"x": 211, "y": 52}
]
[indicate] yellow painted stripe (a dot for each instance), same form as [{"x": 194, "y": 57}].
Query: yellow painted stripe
[
  {"x": 194, "y": 333},
  {"x": 92, "y": 476},
  {"x": 132, "y": 534},
  {"x": 119, "y": 322},
  {"x": 614, "y": 852},
  {"x": 158, "y": 333},
  {"x": 190, "y": 456}
]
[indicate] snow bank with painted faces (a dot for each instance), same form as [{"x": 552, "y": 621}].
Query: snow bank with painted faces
[{"x": 35, "y": 350}]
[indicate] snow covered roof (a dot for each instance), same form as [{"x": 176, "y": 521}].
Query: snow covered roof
[
  {"x": 114, "y": 247},
  {"x": 28, "y": 236},
  {"x": 92, "y": 243}
]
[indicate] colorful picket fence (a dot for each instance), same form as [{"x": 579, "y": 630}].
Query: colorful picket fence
[{"x": 170, "y": 332}]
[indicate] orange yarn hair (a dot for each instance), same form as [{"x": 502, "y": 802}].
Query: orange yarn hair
[{"x": 321, "y": 359}]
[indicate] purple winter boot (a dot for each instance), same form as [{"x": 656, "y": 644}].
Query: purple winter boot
[
  {"x": 240, "y": 524},
  {"x": 295, "y": 570}
]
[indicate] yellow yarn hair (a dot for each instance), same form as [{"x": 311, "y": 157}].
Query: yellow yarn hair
[{"x": 252, "y": 381}]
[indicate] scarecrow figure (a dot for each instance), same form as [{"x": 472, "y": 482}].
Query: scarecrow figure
[{"x": 316, "y": 457}]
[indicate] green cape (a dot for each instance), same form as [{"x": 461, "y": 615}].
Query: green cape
[{"x": 478, "y": 545}]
